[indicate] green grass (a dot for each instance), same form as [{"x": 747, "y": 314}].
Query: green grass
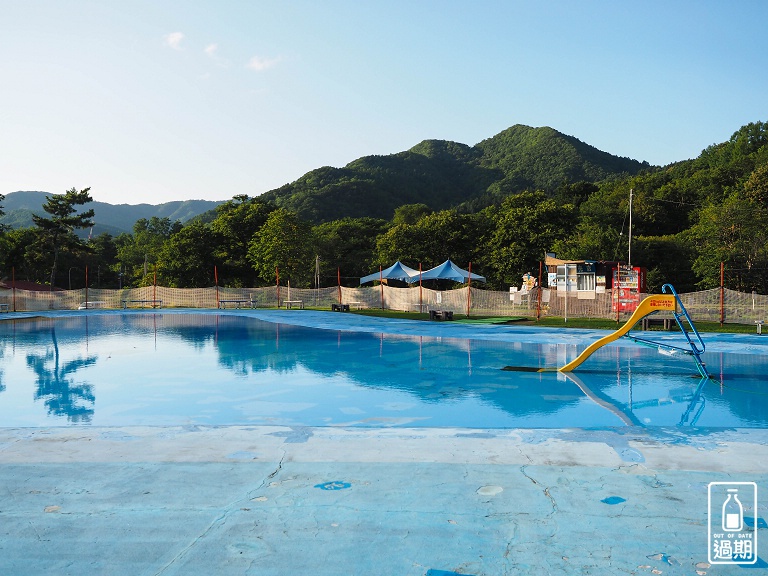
[{"x": 553, "y": 321}]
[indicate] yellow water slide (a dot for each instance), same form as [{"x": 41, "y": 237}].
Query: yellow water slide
[{"x": 656, "y": 303}]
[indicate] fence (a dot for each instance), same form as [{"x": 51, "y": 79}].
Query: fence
[{"x": 736, "y": 307}]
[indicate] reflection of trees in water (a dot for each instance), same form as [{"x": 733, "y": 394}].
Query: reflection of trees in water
[
  {"x": 56, "y": 387},
  {"x": 434, "y": 370}
]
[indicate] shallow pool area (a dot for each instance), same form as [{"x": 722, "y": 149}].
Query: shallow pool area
[
  {"x": 304, "y": 368},
  {"x": 301, "y": 442}
]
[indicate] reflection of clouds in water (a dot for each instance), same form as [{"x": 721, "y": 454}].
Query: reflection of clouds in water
[
  {"x": 351, "y": 410},
  {"x": 396, "y": 406},
  {"x": 273, "y": 408}
]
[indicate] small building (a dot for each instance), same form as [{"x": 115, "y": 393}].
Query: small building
[{"x": 585, "y": 278}]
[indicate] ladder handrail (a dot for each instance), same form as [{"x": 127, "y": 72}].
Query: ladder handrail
[
  {"x": 695, "y": 351},
  {"x": 684, "y": 312}
]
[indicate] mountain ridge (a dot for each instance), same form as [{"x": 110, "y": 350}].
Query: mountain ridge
[
  {"x": 439, "y": 173},
  {"x": 444, "y": 174},
  {"x": 110, "y": 218}
]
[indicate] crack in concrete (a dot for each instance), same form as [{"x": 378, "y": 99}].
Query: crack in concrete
[
  {"x": 545, "y": 489},
  {"x": 228, "y": 510}
]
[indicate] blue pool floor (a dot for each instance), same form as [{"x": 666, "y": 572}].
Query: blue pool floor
[{"x": 277, "y": 500}]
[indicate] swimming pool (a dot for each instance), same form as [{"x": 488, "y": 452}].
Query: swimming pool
[{"x": 306, "y": 368}]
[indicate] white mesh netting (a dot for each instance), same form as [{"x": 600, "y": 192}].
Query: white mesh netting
[{"x": 736, "y": 307}]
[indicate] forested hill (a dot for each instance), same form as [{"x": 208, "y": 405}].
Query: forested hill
[{"x": 444, "y": 174}]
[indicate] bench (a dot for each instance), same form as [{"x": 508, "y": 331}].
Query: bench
[
  {"x": 759, "y": 324},
  {"x": 339, "y": 307},
  {"x": 665, "y": 323},
  {"x": 291, "y": 303},
  {"x": 91, "y": 304},
  {"x": 441, "y": 314},
  {"x": 152, "y": 303},
  {"x": 358, "y": 305},
  {"x": 237, "y": 303}
]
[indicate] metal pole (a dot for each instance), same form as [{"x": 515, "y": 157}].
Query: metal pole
[
  {"x": 338, "y": 279},
  {"x": 86, "y": 287},
  {"x": 381, "y": 283},
  {"x": 629, "y": 256}
]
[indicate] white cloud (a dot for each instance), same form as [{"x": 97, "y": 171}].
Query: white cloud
[
  {"x": 259, "y": 63},
  {"x": 212, "y": 50},
  {"x": 174, "y": 40}
]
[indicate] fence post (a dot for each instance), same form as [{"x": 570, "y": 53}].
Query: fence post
[
  {"x": 469, "y": 288},
  {"x": 722, "y": 293},
  {"x": 538, "y": 295}
]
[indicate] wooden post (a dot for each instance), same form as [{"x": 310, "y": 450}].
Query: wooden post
[
  {"x": 13, "y": 284},
  {"x": 421, "y": 299},
  {"x": 216, "y": 280},
  {"x": 538, "y": 297},
  {"x": 469, "y": 288},
  {"x": 277, "y": 283},
  {"x": 381, "y": 284},
  {"x": 722, "y": 293},
  {"x": 338, "y": 279},
  {"x": 86, "y": 287},
  {"x": 154, "y": 288}
]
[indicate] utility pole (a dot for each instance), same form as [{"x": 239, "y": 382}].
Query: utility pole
[{"x": 629, "y": 256}]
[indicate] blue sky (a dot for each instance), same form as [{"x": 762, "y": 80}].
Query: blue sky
[{"x": 154, "y": 100}]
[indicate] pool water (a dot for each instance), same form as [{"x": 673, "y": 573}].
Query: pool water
[{"x": 159, "y": 369}]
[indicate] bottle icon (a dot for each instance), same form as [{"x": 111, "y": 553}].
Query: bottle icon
[{"x": 733, "y": 512}]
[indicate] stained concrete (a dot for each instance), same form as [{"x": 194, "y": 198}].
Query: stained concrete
[{"x": 335, "y": 501}]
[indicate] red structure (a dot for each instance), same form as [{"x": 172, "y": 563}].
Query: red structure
[{"x": 628, "y": 285}]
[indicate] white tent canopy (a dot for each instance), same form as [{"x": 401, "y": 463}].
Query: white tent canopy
[{"x": 449, "y": 271}]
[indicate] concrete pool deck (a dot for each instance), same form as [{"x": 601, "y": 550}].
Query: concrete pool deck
[
  {"x": 279, "y": 500},
  {"x": 336, "y": 501}
]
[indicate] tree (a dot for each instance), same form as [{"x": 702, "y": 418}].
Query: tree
[
  {"x": 285, "y": 242},
  {"x": 140, "y": 251},
  {"x": 348, "y": 245},
  {"x": 410, "y": 213},
  {"x": 736, "y": 233},
  {"x": 56, "y": 232},
  {"x": 237, "y": 222},
  {"x": 186, "y": 259},
  {"x": 432, "y": 240},
  {"x": 102, "y": 262},
  {"x": 525, "y": 227}
]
